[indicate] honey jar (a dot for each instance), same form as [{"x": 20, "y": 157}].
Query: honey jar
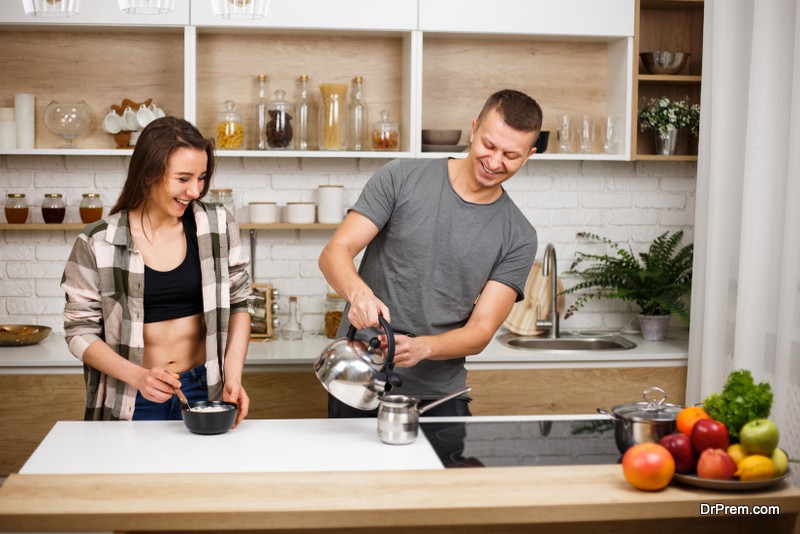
[
  {"x": 91, "y": 208},
  {"x": 16, "y": 208},
  {"x": 53, "y": 208}
]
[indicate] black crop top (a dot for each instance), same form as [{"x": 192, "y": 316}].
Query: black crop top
[{"x": 179, "y": 292}]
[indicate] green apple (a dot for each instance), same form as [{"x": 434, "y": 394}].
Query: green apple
[
  {"x": 780, "y": 461},
  {"x": 759, "y": 436}
]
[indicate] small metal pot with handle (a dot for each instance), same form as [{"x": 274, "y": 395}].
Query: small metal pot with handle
[
  {"x": 398, "y": 416},
  {"x": 643, "y": 422}
]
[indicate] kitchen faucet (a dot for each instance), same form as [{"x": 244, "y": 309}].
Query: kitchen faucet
[{"x": 550, "y": 268}]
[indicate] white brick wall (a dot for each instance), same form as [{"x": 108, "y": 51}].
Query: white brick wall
[{"x": 620, "y": 200}]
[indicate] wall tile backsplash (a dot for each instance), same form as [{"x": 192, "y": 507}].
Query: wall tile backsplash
[{"x": 624, "y": 201}]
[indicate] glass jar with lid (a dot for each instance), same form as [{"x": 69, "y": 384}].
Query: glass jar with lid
[
  {"x": 224, "y": 197},
  {"x": 334, "y": 307},
  {"x": 385, "y": 134},
  {"x": 279, "y": 124},
  {"x": 91, "y": 208},
  {"x": 53, "y": 208},
  {"x": 230, "y": 127},
  {"x": 16, "y": 208}
]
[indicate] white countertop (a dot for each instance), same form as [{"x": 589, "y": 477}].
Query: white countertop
[
  {"x": 255, "y": 446},
  {"x": 51, "y": 356}
]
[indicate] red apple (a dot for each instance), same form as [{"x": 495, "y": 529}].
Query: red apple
[
  {"x": 680, "y": 447},
  {"x": 709, "y": 434},
  {"x": 716, "y": 464}
]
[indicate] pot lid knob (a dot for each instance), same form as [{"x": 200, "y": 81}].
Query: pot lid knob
[{"x": 652, "y": 402}]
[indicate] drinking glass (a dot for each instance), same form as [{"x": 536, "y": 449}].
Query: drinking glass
[
  {"x": 611, "y": 130},
  {"x": 565, "y": 132},
  {"x": 586, "y": 133}
]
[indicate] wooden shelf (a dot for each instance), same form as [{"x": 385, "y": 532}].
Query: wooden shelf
[
  {"x": 656, "y": 157},
  {"x": 40, "y": 227},
  {"x": 669, "y": 78},
  {"x": 288, "y": 226}
]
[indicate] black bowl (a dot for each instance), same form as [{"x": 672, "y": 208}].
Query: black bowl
[
  {"x": 541, "y": 142},
  {"x": 209, "y": 422}
]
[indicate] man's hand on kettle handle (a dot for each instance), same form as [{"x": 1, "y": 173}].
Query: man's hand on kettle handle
[{"x": 364, "y": 311}]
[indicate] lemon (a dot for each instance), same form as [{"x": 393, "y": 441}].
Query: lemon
[
  {"x": 755, "y": 467},
  {"x": 781, "y": 462},
  {"x": 737, "y": 452}
]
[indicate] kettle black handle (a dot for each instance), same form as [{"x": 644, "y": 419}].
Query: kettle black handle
[{"x": 388, "y": 367}]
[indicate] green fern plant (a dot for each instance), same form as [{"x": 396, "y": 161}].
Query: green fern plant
[{"x": 657, "y": 281}]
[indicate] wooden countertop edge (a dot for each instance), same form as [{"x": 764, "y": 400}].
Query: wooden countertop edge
[{"x": 452, "y": 497}]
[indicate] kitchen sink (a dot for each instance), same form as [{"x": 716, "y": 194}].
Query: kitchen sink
[{"x": 566, "y": 343}]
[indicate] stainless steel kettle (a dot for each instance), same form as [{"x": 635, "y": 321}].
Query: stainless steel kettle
[{"x": 357, "y": 373}]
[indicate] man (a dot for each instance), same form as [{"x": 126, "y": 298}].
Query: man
[{"x": 447, "y": 253}]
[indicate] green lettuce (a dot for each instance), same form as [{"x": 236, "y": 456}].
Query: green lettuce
[{"x": 741, "y": 401}]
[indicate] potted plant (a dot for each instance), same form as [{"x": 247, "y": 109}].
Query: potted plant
[
  {"x": 666, "y": 118},
  {"x": 657, "y": 281}
]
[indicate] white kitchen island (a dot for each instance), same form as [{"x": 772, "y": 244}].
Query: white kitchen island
[{"x": 346, "y": 489}]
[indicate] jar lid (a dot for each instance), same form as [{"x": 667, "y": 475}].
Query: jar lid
[
  {"x": 358, "y": 79},
  {"x": 303, "y": 78},
  {"x": 334, "y": 296},
  {"x": 221, "y": 190},
  {"x": 53, "y": 195},
  {"x": 385, "y": 123},
  {"x": 262, "y": 77},
  {"x": 16, "y": 195},
  {"x": 91, "y": 195},
  {"x": 273, "y": 203},
  {"x": 300, "y": 203},
  {"x": 330, "y": 185}
]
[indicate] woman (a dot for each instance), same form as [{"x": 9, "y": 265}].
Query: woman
[{"x": 156, "y": 292}]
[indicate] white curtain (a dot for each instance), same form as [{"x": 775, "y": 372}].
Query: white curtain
[{"x": 746, "y": 286}]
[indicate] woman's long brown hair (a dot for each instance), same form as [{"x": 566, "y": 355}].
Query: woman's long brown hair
[{"x": 148, "y": 165}]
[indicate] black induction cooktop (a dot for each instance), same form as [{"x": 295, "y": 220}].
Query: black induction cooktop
[{"x": 475, "y": 443}]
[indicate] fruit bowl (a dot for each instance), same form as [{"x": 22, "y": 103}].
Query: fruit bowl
[
  {"x": 730, "y": 485},
  {"x": 15, "y": 335}
]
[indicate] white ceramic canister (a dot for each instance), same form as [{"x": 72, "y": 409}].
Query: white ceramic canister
[
  {"x": 330, "y": 201},
  {"x": 263, "y": 212},
  {"x": 300, "y": 212},
  {"x": 8, "y": 134}
]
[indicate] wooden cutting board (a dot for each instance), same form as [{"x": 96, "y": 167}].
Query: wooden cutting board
[{"x": 522, "y": 319}]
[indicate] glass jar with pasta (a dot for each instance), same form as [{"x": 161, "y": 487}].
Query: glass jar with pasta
[{"x": 230, "y": 128}]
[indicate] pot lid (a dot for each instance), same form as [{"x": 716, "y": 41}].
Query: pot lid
[{"x": 653, "y": 408}]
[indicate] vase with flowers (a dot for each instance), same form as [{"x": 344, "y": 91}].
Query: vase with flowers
[{"x": 667, "y": 118}]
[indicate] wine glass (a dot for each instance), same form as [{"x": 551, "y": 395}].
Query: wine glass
[{"x": 68, "y": 119}]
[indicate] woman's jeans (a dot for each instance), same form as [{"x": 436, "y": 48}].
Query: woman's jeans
[{"x": 193, "y": 385}]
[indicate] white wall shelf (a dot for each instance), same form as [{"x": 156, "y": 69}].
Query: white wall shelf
[{"x": 190, "y": 62}]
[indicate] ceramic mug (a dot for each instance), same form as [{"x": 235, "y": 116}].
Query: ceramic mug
[
  {"x": 129, "y": 119},
  {"x": 112, "y": 123},
  {"x": 157, "y": 111},
  {"x": 144, "y": 116}
]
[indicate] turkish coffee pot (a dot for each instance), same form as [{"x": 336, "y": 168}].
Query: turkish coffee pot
[
  {"x": 398, "y": 416},
  {"x": 357, "y": 373}
]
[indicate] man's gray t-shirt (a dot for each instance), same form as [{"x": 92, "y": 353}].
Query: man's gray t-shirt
[{"x": 432, "y": 257}]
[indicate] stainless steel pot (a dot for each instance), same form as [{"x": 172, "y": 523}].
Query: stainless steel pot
[
  {"x": 398, "y": 416},
  {"x": 643, "y": 422},
  {"x": 357, "y": 373}
]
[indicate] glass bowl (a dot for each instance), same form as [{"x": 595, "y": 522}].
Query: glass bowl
[{"x": 68, "y": 119}]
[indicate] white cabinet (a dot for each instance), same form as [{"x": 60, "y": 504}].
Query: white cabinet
[
  {"x": 321, "y": 14},
  {"x": 607, "y": 18},
  {"x": 97, "y": 12},
  {"x": 430, "y": 63}
]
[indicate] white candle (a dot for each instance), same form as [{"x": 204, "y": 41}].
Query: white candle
[
  {"x": 24, "y": 112},
  {"x": 6, "y": 114},
  {"x": 8, "y": 134}
]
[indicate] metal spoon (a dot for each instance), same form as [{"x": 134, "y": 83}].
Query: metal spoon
[{"x": 183, "y": 398}]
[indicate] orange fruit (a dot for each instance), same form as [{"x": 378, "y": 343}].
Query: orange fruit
[
  {"x": 688, "y": 417},
  {"x": 648, "y": 466}
]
